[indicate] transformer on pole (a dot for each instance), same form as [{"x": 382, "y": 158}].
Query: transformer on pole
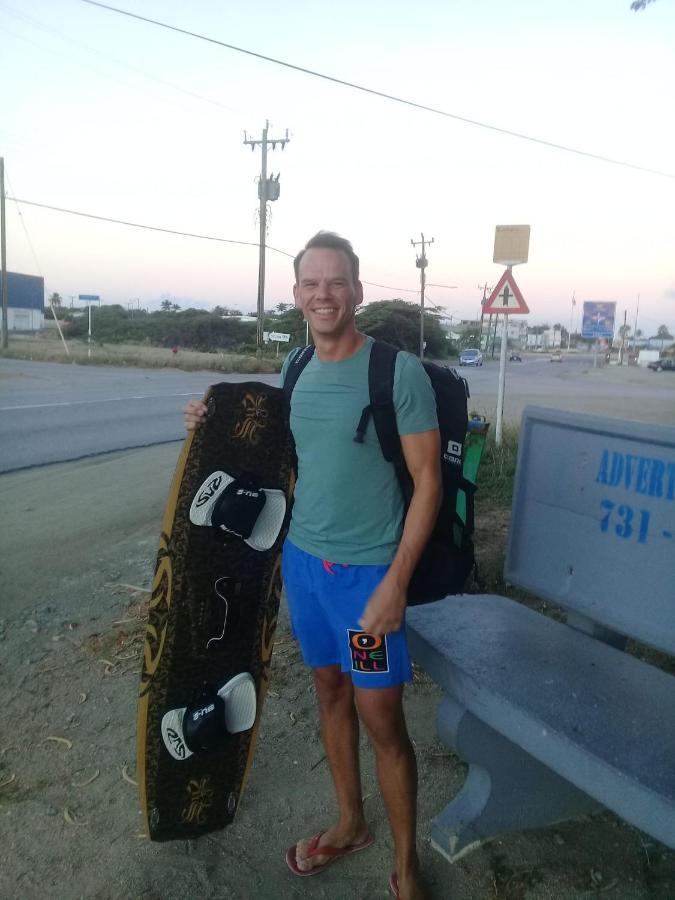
[{"x": 268, "y": 189}]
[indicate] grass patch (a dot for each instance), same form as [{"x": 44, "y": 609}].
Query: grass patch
[
  {"x": 140, "y": 355},
  {"x": 498, "y": 468}
]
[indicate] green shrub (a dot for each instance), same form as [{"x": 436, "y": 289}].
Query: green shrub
[
  {"x": 498, "y": 468},
  {"x": 192, "y": 328}
]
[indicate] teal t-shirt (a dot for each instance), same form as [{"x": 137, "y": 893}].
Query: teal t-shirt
[{"x": 348, "y": 506}]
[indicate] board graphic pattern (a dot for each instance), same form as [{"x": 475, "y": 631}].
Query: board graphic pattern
[{"x": 246, "y": 431}]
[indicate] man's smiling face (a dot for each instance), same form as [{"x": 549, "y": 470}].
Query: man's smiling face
[{"x": 326, "y": 293}]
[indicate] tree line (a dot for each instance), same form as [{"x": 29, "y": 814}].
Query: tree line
[{"x": 395, "y": 321}]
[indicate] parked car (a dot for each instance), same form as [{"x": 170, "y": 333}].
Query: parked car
[
  {"x": 515, "y": 357},
  {"x": 556, "y": 356},
  {"x": 471, "y": 358},
  {"x": 662, "y": 365}
]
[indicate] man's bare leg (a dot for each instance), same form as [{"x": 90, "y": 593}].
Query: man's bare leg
[
  {"x": 340, "y": 735},
  {"x": 381, "y": 711}
]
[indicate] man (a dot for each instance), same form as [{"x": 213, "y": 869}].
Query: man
[{"x": 350, "y": 554}]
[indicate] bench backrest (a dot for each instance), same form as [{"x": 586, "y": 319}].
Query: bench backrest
[{"x": 593, "y": 520}]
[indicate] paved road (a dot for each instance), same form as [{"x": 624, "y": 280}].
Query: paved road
[
  {"x": 616, "y": 391},
  {"x": 50, "y": 412},
  {"x": 68, "y": 529}
]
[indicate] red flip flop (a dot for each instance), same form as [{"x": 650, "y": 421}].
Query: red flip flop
[
  {"x": 333, "y": 852},
  {"x": 393, "y": 885}
]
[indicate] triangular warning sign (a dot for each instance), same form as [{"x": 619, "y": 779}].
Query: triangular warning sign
[{"x": 506, "y": 298}]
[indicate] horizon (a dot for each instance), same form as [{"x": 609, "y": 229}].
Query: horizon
[{"x": 124, "y": 119}]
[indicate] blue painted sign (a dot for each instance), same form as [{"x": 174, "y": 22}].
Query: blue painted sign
[
  {"x": 89, "y": 298},
  {"x": 598, "y": 319},
  {"x": 649, "y": 476}
]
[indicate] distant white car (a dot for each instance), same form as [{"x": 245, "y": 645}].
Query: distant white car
[{"x": 471, "y": 358}]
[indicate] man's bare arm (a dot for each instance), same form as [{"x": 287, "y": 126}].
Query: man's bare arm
[{"x": 385, "y": 609}]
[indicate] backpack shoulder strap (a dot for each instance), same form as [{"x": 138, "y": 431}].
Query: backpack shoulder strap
[
  {"x": 295, "y": 368},
  {"x": 381, "y": 371}
]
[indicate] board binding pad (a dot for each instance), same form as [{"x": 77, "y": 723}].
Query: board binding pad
[{"x": 213, "y": 612}]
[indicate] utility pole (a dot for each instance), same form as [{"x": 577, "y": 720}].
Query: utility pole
[
  {"x": 421, "y": 263},
  {"x": 3, "y": 253},
  {"x": 623, "y": 339},
  {"x": 267, "y": 190},
  {"x": 485, "y": 290},
  {"x": 569, "y": 333},
  {"x": 635, "y": 326}
]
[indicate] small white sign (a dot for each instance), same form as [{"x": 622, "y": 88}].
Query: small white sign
[
  {"x": 279, "y": 336},
  {"x": 512, "y": 244}
]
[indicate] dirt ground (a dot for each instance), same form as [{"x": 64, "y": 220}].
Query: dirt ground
[{"x": 69, "y": 813}]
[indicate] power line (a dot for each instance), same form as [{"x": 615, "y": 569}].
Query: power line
[
  {"x": 63, "y": 37},
  {"x": 366, "y": 90},
  {"x": 439, "y": 309},
  {"x": 389, "y": 288},
  {"x": 23, "y": 223},
  {"x": 201, "y": 237}
]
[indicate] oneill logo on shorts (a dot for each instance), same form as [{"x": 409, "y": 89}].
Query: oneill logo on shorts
[{"x": 368, "y": 652}]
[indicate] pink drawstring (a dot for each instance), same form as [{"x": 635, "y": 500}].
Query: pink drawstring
[{"x": 328, "y": 566}]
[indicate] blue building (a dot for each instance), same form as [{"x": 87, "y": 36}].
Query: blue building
[{"x": 25, "y": 302}]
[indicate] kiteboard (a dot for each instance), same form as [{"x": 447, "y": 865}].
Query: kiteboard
[{"x": 213, "y": 612}]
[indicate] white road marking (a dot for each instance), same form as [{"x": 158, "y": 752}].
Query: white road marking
[{"x": 102, "y": 400}]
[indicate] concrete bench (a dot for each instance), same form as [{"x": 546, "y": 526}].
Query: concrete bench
[{"x": 555, "y": 719}]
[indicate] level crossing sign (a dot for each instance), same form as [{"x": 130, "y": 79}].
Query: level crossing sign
[{"x": 506, "y": 298}]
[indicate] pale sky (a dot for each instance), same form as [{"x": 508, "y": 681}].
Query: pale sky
[{"x": 109, "y": 115}]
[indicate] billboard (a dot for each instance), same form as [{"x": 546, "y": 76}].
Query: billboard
[
  {"x": 598, "y": 319},
  {"x": 25, "y": 291}
]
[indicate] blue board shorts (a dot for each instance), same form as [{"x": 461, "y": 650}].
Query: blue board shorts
[{"x": 326, "y": 601}]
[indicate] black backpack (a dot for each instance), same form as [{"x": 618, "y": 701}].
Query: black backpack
[{"x": 448, "y": 557}]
